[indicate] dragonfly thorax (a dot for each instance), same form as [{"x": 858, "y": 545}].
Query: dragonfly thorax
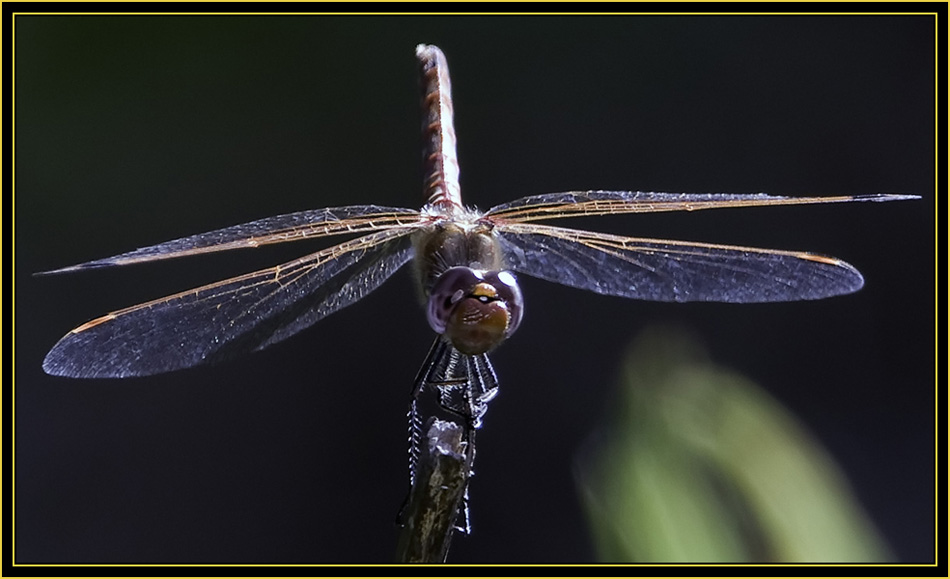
[
  {"x": 449, "y": 243},
  {"x": 475, "y": 310}
]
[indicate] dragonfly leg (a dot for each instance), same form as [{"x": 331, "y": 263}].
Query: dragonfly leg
[
  {"x": 431, "y": 366},
  {"x": 464, "y": 523},
  {"x": 484, "y": 387},
  {"x": 415, "y": 438},
  {"x": 463, "y": 386}
]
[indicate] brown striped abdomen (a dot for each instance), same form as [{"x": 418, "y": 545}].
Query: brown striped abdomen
[{"x": 440, "y": 163}]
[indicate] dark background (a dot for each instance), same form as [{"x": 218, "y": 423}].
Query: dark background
[{"x": 135, "y": 130}]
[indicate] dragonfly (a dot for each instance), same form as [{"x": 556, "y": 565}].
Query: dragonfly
[{"x": 465, "y": 261}]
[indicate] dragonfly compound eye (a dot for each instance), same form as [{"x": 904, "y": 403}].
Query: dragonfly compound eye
[{"x": 476, "y": 310}]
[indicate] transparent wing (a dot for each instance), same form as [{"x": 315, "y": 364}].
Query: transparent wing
[
  {"x": 581, "y": 203},
  {"x": 680, "y": 271},
  {"x": 241, "y": 314},
  {"x": 277, "y": 229}
]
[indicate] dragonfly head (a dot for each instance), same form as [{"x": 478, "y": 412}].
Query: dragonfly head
[{"x": 475, "y": 310}]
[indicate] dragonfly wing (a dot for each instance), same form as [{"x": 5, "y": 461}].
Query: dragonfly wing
[
  {"x": 672, "y": 271},
  {"x": 277, "y": 229},
  {"x": 581, "y": 203},
  {"x": 241, "y": 314}
]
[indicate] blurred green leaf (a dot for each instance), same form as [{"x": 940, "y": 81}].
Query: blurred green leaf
[{"x": 698, "y": 464}]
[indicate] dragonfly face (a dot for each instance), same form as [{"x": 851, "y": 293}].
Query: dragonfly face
[{"x": 475, "y": 309}]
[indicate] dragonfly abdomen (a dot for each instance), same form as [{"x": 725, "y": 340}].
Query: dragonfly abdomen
[{"x": 440, "y": 163}]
